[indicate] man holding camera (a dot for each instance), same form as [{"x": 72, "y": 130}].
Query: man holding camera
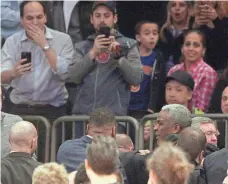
[
  {"x": 35, "y": 65},
  {"x": 105, "y": 65}
]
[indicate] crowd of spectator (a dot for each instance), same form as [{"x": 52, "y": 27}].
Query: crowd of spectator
[{"x": 69, "y": 58}]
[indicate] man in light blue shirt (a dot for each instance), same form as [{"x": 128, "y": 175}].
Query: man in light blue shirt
[
  {"x": 10, "y": 18},
  {"x": 39, "y": 85}
]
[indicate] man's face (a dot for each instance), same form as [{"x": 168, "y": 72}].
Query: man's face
[
  {"x": 210, "y": 132},
  {"x": 33, "y": 14},
  {"x": 103, "y": 16},
  {"x": 107, "y": 130},
  {"x": 164, "y": 126},
  {"x": 177, "y": 93},
  {"x": 224, "y": 101}
]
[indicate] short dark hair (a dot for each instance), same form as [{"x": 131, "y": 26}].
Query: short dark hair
[
  {"x": 141, "y": 23},
  {"x": 81, "y": 176},
  {"x": 23, "y": 3},
  {"x": 192, "y": 141},
  {"x": 102, "y": 116},
  {"x": 197, "y": 31},
  {"x": 102, "y": 155}
]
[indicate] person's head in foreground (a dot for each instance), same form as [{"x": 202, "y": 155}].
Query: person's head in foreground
[
  {"x": 179, "y": 88},
  {"x": 101, "y": 160},
  {"x": 208, "y": 127},
  {"x": 23, "y": 137},
  {"x": 50, "y": 173},
  {"x": 81, "y": 176},
  {"x": 225, "y": 180},
  {"x": 101, "y": 122},
  {"x": 193, "y": 142},
  {"x": 124, "y": 143},
  {"x": 172, "y": 119},
  {"x": 168, "y": 165}
]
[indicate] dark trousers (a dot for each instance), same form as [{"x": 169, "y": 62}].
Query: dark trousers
[{"x": 47, "y": 111}]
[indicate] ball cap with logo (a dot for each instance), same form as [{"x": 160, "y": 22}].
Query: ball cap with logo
[
  {"x": 109, "y": 4},
  {"x": 182, "y": 77}
]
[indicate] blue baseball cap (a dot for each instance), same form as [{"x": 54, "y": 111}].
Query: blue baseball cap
[{"x": 109, "y": 4}]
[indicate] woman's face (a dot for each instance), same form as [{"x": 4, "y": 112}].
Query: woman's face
[
  {"x": 178, "y": 11},
  {"x": 193, "y": 49}
]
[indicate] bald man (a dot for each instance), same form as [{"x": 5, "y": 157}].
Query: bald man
[
  {"x": 18, "y": 165},
  {"x": 124, "y": 143}
]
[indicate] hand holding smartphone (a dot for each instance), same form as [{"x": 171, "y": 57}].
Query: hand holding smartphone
[
  {"x": 23, "y": 65},
  {"x": 105, "y": 30},
  {"x": 28, "y": 56},
  {"x": 101, "y": 42}
]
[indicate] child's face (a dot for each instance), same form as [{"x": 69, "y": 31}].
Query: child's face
[
  {"x": 177, "y": 93},
  {"x": 148, "y": 36}
]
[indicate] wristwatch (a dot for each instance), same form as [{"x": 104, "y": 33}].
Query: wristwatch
[{"x": 46, "y": 47}]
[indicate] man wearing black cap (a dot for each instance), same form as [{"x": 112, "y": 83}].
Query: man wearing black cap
[
  {"x": 105, "y": 65},
  {"x": 179, "y": 88}
]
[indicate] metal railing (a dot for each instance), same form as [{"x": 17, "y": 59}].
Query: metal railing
[
  {"x": 74, "y": 119},
  {"x": 51, "y": 137},
  {"x": 154, "y": 117},
  {"x": 146, "y": 118},
  {"x": 41, "y": 120}
]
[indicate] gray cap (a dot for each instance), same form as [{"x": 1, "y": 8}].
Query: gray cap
[{"x": 181, "y": 115}]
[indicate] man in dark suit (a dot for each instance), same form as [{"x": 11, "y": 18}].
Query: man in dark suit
[
  {"x": 18, "y": 166},
  {"x": 193, "y": 142},
  {"x": 172, "y": 119},
  {"x": 216, "y": 166},
  {"x": 73, "y": 152}
]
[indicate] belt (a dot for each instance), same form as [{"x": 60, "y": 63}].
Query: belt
[{"x": 33, "y": 105}]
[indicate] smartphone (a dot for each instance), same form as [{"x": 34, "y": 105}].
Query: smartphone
[
  {"x": 28, "y": 56},
  {"x": 104, "y": 30}
]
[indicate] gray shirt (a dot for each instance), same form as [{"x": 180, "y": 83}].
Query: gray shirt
[
  {"x": 105, "y": 81},
  {"x": 7, "y": 121},
  {"x": 42, "y": 85}
]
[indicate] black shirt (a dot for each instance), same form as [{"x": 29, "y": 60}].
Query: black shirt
[{"x": 17, "y": 168}]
